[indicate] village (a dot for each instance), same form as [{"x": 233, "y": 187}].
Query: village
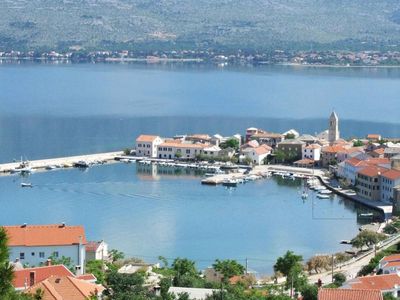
[{"x": 56, "y": 261}]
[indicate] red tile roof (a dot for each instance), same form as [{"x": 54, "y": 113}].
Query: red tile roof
[
  {"x": 22, "y": 277},
  {"x": 333, "y": 149},
  {"x": 65, "y": 287},
  {"x": 146, "y": 138},
  {"x": 379, "y": 151},
  {"x": 378, "y": 282},
  {"x": 45, "y": 235},
  {"x": 345, "y": 294},
  {"x": 393, "y": 257},
  {"x": 372, "y": 171},
  {"x": 374, "y": 136},
  {"x": 92, "y": 246},
  {"x": 392, "y": 174},
  {"x": 262, "y": 150}
]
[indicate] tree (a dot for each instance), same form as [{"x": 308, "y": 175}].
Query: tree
[
  {"x": 178, "y": 155},
  {"x": 6, "y": 270},
  {"x": 358, "y": 143},
  {"x": 309, "y": 292},
  {"x": 125, "y": 286},
  {"x": 285, "y": 264},
  {"x": 164, "y": 261},
  {"x": 367, "y": 238},
  {"x": 318, "y": 263},
  {"x": 390, "y": 229},
  {"x": 339, "y": 279},
  {"x": 230, "y": 143},
  {"x": 96, "y": 267},
  {"x": 290, "y": 136},
  {"x": 116, "y": 255},
  {"x": 290, "y": 266},
  {"x": 127, "y": 151},
  {"x": 389, "y": 296},
  {"x": 228, "y": 268},
  {"x": 247, "y": 160},
  {"x": 186, "y": 274}
]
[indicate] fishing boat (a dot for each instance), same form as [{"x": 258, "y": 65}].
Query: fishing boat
[
  {"x": 325, "y": 192},
  {"x": 366, "y": 215},
  {"x": 26, "y": 184}
]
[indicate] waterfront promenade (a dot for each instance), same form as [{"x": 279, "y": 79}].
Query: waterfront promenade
[{"x": 6, "y": 168}]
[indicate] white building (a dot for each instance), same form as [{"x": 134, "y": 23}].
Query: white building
[
  {"x": 312, "y": 152},
  {"x": 389, "y": 180},
  {"x": 390, "y": 264},
  {"x": 34, "y": 244},
  {"x": 170, "y": 149},
  {"x": 146, "y": 145},
  {"x": 258, "y": 154},
  {"x": 96, "y": 251}
]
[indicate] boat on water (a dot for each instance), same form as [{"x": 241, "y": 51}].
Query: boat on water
[
  {"x": 26, "y": 184},
  {"x": 345, "y": 242},
  {"x": 51, "y": 167},
  {"x": 322, "y": 196},
  {"x": 81, "y": 164},
  {"x": 325, "y": 192},
  {"x": 366, "y": 215},
  {"x": 230, "y": 183}
]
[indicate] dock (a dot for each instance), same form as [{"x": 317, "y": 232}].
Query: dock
[{"x": 42, "y": 164}]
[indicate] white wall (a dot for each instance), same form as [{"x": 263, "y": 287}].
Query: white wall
[{"x": 35, "y": 260}]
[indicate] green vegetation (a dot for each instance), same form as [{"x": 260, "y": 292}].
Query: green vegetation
[
  {"x": 373, "y": 263},
  {"x": 228, "y": 268},
  {"x": 358, "y": 143},
  {"x": 149, "y": 25},
  {"x": 230, "y": 143},
  {"x": 290, "y": 136},
  {"x": 367, "y": 238}
]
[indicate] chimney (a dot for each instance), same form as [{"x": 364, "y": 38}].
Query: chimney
[
  {"x": 62, "y": 225},
  {"x": 48, "y": 263},
  {"x": 23, "y": 225},
  {"x": 32, "y": 278}
]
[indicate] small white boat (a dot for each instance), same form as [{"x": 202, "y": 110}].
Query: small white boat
[
  {"x": 125, "y": 160},
  {"x": 26, "y": 184},
  {"x": 322, "y": 196},
  {"x": 51, "y": 167},
  {"x": 325, "y": 192}
]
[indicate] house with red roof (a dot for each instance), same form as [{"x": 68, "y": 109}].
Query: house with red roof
[
  {"x": 146, "y": 145},
  {"x": 390, "y": 264},
  {"x": 368, "y": 182},
  {"x": 34, "y": 244},
  {"x": 66, "y": 287},
  {"x": 388, "y": 283},
  {"x": 348, "y": 294},
  {"x": 257, "y": 154},
  {"x": 312, "y": 152},
  {"x": 96, "y": 250}
]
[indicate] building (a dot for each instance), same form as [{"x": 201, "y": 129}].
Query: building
[
  {"x": 308, "y": 139},
  {"x": 292, "y": 132},
  {"x": 66, "y": 287},
  {"x": 333, "y": 131},
  {"x": 395, "y": 162},
  {"x": 146, "y": 145},
  {"x": 268, "y": 138},
  {"x": 391, "y": 152},
  {"x": 258, "y": 154},
  {"x": 357, "y": 152},
  {"x": 373, "y": 137},
  {"x": 96, "y": 251},
  {"x": 25, "y": 278},
  {"x": 386, "y": 284},
  {"x": 329, "y": 154},
  {"x": 292, "y": 149},
  {"x": 368, "y": 182},
  {"x": 349, "y": 294},
  {"x": 172, "y": 149},
  {"x": 378, "y": 153},
  {"x": 389, "y": 180},
  {"x": 34, "y": 244},
  {"x": 312, "y": 152},
  {"x": 390, "y": 264},
  {"x": 193, "y": 293}
]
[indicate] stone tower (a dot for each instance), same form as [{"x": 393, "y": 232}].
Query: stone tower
[{"x": 333, "y": 128}]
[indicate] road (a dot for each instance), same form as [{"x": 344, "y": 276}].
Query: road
[{"x": 351, "y": 268}]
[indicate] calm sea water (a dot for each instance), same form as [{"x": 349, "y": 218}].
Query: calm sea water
[
  {"x": 58, "y": 110},
  {"x": 147, "y": 212}
]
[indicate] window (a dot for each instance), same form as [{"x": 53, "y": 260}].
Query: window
[
  {"x": 33, "y": 253},
  {"x": 21, "y": 255},
  {"x": 187, "y": 151},
  {"x": 41, "y": 254},
  {"x": 55, "y": 254}
]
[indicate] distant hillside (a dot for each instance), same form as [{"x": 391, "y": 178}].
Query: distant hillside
[{"x": 200, "y": 24}]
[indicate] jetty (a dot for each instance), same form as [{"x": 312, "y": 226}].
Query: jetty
[{"x": 61, "y": 162}]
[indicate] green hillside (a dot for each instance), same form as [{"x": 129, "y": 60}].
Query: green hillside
[{"x": 200, "y": 24}]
